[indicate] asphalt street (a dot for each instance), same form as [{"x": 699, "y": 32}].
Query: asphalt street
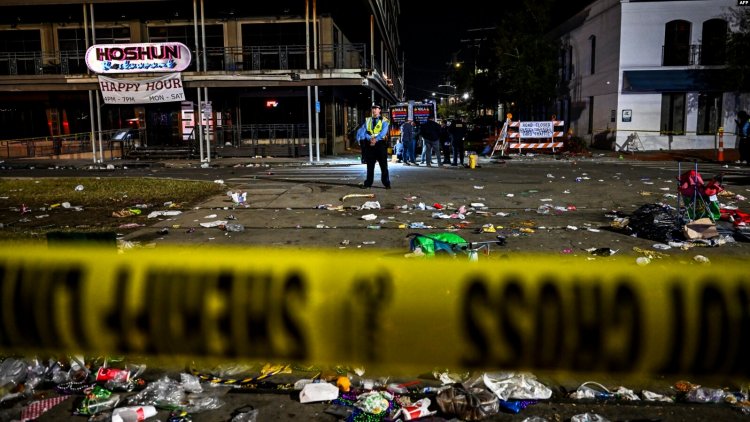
[{"x": 539, "y": 204}]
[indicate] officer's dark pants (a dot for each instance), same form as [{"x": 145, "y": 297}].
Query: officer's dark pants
[{"x": 379, "y": 154}]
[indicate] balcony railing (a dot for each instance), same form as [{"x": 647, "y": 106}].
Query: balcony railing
[
  {"x": 74, "y": 143},
  {"x": 694, "y": 54},
  {"x": 228, "y": 59}
]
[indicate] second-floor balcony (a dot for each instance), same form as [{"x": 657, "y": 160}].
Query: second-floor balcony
[
  {"x": 693, "y": 54},
  {"x": 222, "y": 59}
]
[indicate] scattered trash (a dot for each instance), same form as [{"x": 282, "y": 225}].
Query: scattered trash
[
  {"x": 321, "y": 391},
  {"x": 589, "y": 417},
  {"x": 35, "y": 409},
  {"x": 419, "y": 409},
  {"x": 642, "y": 260},
  {"x": 468, "y": 404},
  {"x": 371, "y": 205},
  {"x": 701, "y": 259},
  {"x": 357, "y": 195},
  {"x": 133, "y": 413},
  {"x": 216, "y": 223},
  {"x": 651, "y": 396},
  {"x": 601, "y": 251},
  {"x": 375, "y": 402},
  {"x": 239, "y": 198},
  {"x": 519, "y": 386},
  {"x": 702, "y": 228},
  {"x": 155, "y": 214},
  {"x": 654, "y": 222},
  {"x": 234, "y": 227},
  {"x": 130, "y": 226}
]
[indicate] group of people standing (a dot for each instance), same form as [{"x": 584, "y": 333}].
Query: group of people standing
[{"x": 444, "y": 140}]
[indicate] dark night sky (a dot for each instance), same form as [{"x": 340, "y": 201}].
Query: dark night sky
[{"x": 430, "y": 36}]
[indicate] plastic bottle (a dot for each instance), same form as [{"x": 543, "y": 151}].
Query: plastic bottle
[
  {"x": 97, "y": 405},
  {"x": 133, "y": 413}
]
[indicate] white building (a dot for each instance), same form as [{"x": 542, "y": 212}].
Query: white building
[{"x": 649, "y": 67}]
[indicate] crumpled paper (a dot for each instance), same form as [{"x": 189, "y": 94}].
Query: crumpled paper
[
  {"x": 371, "y": 205},
  {"x": 155, "y": 214},
  {"x": 319, "y": 391}
]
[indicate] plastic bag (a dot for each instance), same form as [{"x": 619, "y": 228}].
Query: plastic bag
[
  {"x": 519, "y": 386},
  {"x": 471, "y": 404}
]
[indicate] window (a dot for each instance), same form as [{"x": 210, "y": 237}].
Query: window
[
  {"x": 75, "y": 39},
  {"x": 185, "y": 35},
  {"x": 566, "y": 67},
  {"x": 677, "y": 43},
  {"x": 19, "y": 41},
  {"x": 267, "y": 34},
  {"x": 120, "y": 35},
  {"x": 672, "y": 114},
  {"x": 709, "y": 113},
  {"x": 20, "y": 52},
  {"x": 274, "y": 45},
  {"x": 593, "y": 54},
  {"x": 713, "y": 45},
  {"x": 71, "y": 40},
  {"x": 591, "y": 115}
]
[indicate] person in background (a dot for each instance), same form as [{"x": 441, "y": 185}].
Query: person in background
[
  {"x": 398, "y": 149},
  {"x": 446, "y": 140},
  {"x": 430, "y": 131},
  {"x": 375, "y": 148},
  {"x": 459, "y": 134},
  {"x": 743, "y": 133},
  {"x": 407, "y": 138}
]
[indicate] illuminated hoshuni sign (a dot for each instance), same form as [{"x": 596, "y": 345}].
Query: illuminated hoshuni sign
[{"x": 138, "y": 58}]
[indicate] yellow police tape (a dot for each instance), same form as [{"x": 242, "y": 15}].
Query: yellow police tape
[{"x": 343, "y": 307}]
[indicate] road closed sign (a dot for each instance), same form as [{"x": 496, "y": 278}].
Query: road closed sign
[{"x": 536, "y": 129}]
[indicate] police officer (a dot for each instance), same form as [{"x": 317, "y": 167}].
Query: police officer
[{"x": 375, "y": 148}]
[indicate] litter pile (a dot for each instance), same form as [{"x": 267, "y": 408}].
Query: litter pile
[{"x": 113, "y": 390}]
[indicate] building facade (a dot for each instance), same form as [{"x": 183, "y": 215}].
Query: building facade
[
  {"x": 262, "y": 73},
  {"x": 647, "y": 74}
]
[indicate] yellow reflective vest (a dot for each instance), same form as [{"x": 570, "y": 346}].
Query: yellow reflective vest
[{"x": 374, "y": 131}]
